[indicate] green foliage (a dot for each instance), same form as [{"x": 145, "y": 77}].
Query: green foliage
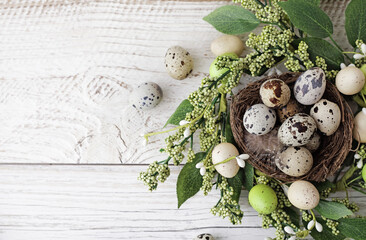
[
  {"x": 315, "y": 2},
  {"x": 332, "y": 210},
  {"x": 353, "y": 227},
  {"x": 236, "y": 183},
  {"x": 324, "y": 185},
  {"x": 248, "y": 176},
  {"x": 356, "y": 21},
  {"x": 180, "y": 113},
  {"x": 232, "y": 20},
  {"x": 308, "y": 17},
  {"x": 326, "y": 234},
  {"x": 189, "y": 180}
]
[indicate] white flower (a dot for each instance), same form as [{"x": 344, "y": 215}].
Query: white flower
[
  {"x": 187, "y": 132},
  {"x": 289, "y": 230},
  {"x": 292, "y": 238},
  {"x": 199, "y": 165},
  {"x": 360, "y": 164},
  {"x": 344, "y": 65},
  {"x": 363, "y": 51},
  {"x": 311, "y": 225},
  {"x": 243, "y": 156},
  {"x": 318, "y": 227},
  {"x": 285, "y": 189},
  {"x": 202, "y": 171},
  {"x": 357, "y": 156},
  {"x": 240, "y": 162},
  {"x": 183, "y": 122}
]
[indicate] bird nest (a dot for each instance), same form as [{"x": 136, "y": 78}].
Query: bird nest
[{"x": 329, "y": 156}]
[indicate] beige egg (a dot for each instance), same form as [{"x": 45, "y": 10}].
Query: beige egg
[
  {"x": 291, "y": 108},
  {"x": 327, "y": 116},
  {"x": 295, "y": 161},
  {"x": 178, "y": 62},
  {"x": 227, "y": 44},
  {"x": 222, "y": 152},
  {"x": 350, "y": 80},
  {"x": 359, "y": 132},
  {"x": 314, "y": 143},
  {"x": 275, "y": 93},
  {"x": 303, "y": 195}
]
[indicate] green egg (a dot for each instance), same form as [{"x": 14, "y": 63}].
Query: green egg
[
  {"x": 364, "y": 172},
  {"x": 215, "y": 71},
  {"x": 263, "y": 199}
]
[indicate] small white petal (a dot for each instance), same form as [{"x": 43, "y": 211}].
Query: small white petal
[
  {"x": 318, "y": 227},
  {"x": 285, "y": 189},
  {"x": 202, "y": 171},
  {"x": 289, "y": 230},
  {"x": 183, "y": 122},
  {"x": 240, "y": 162},
  {"x": 343, "y": 65},
  {"x": 363, "y": 48},
  {"x": 292, "y": 238},
  {"x": 187, "y": 132},
  {"x": 351, "y": 65},
  {"x": 199, "y": 165},
  {"x": 360, "y": 164},
  {"x": 278, "y": 71},
  {"x": 357, "y": 156},
  {"x": 244, "y": 156},
  {"x": 311, "y": 224},
  {"x": 364, "y": 110},
  {"x": 358, "y": 56}
]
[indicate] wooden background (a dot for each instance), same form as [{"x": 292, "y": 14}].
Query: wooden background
[{"x": 70, "y": 150}]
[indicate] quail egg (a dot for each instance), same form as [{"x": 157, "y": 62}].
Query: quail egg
[
  {"x": 303, "y": 195},
  {"x": 350, "y": 80},
  {"x": 291, "y": 108},
  {"x": 327, "y": 116},
  {"x": 310, "y": 86},
  {"x": 259, "y": 119},
  {"x": 227, "y": 44},
  {"x": 178, "y": 62},
  {"x": 297, "y": 130},
  {"x": 263, "y": 199},
  {"x": 359, "y": 131},
  {"x": 204, "y": 236},
  {"x": 314, "y": 143},
  {"x": 295, "y": 161},
  {"x": 146, "y": 96},
  {"x": 275, "y": 93},
  {"x": 222, "y": 152}
]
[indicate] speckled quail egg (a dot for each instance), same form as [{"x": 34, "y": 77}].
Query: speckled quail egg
[
  {"x": 327, "y": 116},
  {"x": 263, "y": 199},
  {"x": 297, "y": 130},
  {"x": 222, "y": 152},
  {"x": 295, "y": 161},
  {"x": 215, "y": 71},
  {"x": 350, "y": 80},
  {"x": 146, "y": 96},
  {"x": 310, "y": 86},
  {"x": 291, "y": 108},
  {"x": 227, "y": 44},
  {"x": 313, "y": 143},
  {"x": 178, "y": 62},
  {"x": 204, "y": 236},
  {"x": 259, "y": 119},
  {"x": 359, "y": 131},
  {"x": 303, "y": 195},
  {"x": 275, "y": 93}
]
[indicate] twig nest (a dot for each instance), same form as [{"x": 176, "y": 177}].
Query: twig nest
[
  {"x": 297, "y": 130},
  {"x": 204, "y": 236},
  {"x": 303, "y": 195},
  {"x": 275, "y": 93},
  {"x": 146, "y": 96},
  {"x": 178, "y": 62},
  {"x": 222, "y": 152},
  {"x": 227, "y": 44},
  {"x": 314, "y": 143},
  {"x": 291, "y": 108},
  {"x": 263, "y": 199},
  {"x": 259, "y": 119},
  {"x": 350, "y": 80},
  {"x": 310, "y": 86},
  {"x": 327, "y": 116},
  {"x": 359, "y": 132},
  {"x": 295, "y": 161}
]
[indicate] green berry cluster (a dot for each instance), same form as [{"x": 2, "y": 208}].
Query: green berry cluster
[
  {"x": 280, "y": 219},
  {"x": 207, "y": 183},
  {"x": 332, "y": 225},
  {"x": 262, "y": 180},
  {"x": 351, "y": 206},
  {"x": 155, "y": 173},
  {"x": 325, "y": 193},
  {"x": 306, "y": 216}
]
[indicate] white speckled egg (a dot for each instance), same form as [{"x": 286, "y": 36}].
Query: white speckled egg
[
  {"x": 297, "y": 130},
  {"x": 275, "y": 93},
  {"x": 291, "y": 108},
  {"x": 359, "y": 132},
  {"x": 220, "y": 153},
  {"x": 303, "y": 195},
  {"x": 227, "y": 44},
  {"x": 259, "y": 119},
  {"x": 204, "y": 236},
  {"x": 327, "y": 116},
  {"x": 313, "y": 143},
  {"x": 178, "y": 62},
  {"x": 146, "y": 96},
  {"x": 350, "y": 80},
  {"x": 310, "y": 86},
  {"x": 295, "y": 161}
]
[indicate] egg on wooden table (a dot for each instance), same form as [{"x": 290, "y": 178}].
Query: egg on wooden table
[
  {"x": 310, "y": 86},
  {"x": 297, "y": 130},
  {"x": 227, "y": 44},
  {"x": 359, "y": 131},
  {"x": 146, "y": 96},
  {"x": 291, "y": 108},
  {"x": 303, "y": 195},
  {"x": 204, "y": 236},
  {"x": 222, "y": 152},
  {"x": 295, "y": 161},
  {"x": 275, "y": 93},
  {"x": 314, "y": 143},
  {"x": 178, "y": 62},
  {"x": 263, "y": 199},
  {"x": 350, "y": 80},
  {"x": 259, "y": 119},
  {"x": 327, "y": 116}
]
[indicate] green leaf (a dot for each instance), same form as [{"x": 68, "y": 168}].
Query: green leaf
[
  {"x": 353, "y": 228},
  {"x": 315, "y": 2},
  {"x": 326, "y": 234},
  {"x": 237, "y": 183},
  {"x": 248, "y": 176},
  {"x": 294, "y": 215},
  {"x": 356, "y": 21},
  {"x": 189, "y": 180},
  {"x": 308, "y": 17},
  {"x": 324, "y": 185},
  {"x": 319, "y": 47},
  {"x": 332, "y": 210},
  {"x": 180, "y": 113},
  {"x": 232, "y": 20}
]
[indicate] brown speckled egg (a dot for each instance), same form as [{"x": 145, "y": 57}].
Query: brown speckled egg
[
  {"x": 297, "y": 130},
  {"x": 295, "y": 161},
  {"x": 303, "y": 195},
  {"x": 327, "y": 116},
  {"x": 313, "y": 143},
  {"x": 275, "y": 93},
  {"x": 310, "y": 86},
  {"x": 291, "y": 108},
  {"x": 178, "y": 62}
]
